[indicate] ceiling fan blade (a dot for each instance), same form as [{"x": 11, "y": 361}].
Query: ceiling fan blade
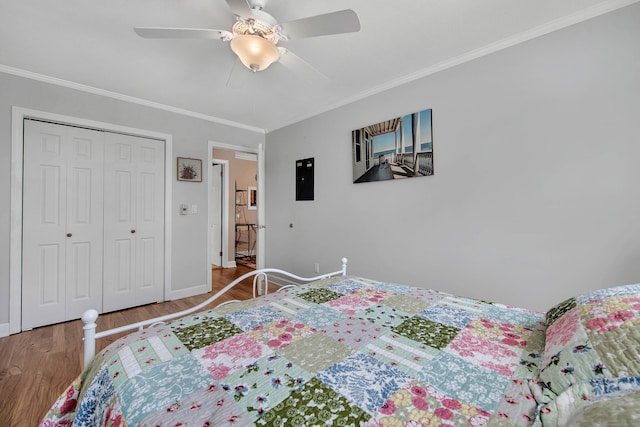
[
  {"x": 342, "y": 21},
  {"x": 182, "y": 33},
  {"x": 299, "y": 66},
  {"x": 240, "y": 8}
]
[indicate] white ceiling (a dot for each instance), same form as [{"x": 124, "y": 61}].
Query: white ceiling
[{"x": 92, "y": 43}]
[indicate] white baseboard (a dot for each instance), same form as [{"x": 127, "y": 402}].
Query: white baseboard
[
  {"x": 4, "y": 330},
  {"x": 189, "y": 292}
]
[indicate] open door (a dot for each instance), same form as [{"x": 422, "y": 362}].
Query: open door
[{"x": 215, "y": 213}]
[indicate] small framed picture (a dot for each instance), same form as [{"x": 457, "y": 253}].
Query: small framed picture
[
  {"x": 189, "y": 169},
  {"x": 253, "y": 200}
]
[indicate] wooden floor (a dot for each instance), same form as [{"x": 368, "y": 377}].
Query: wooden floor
[{"x": 37, "y": 366}]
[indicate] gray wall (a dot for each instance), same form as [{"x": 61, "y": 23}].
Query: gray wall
[
  {"x": 535, "y": 193},
  {"x": 190, "y": 139}
]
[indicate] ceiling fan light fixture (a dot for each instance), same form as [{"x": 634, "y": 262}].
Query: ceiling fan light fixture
[{"x": 255, "y": 52}]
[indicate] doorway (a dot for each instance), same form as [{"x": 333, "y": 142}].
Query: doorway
[{"x": 227, "y": 155}]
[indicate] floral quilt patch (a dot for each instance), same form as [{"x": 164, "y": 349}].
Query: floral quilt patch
[
  {"x": 96, "y": 402},
  {"x": 448, "y": 315},
  {"x": 229, "y": 355},
  {"x": 320, "y": 296},
  {"x": 207, "y": 407},
  {"x": 499, "y": 332},
  {"x": 160, "y": 386},
  {"x": 354, "y": 332},
  {"x": 383, "y": 315},
  {"x": 252, "y": 318},
  {"x": 477, "y": 350},
  {"x": 349, "y": 304},
  {"x": 320, "y": 316},
  {"x": 281, "y": 333},
  {"x": 401, "y": 353},
  {"x": 465, "y": 381},
  {"x": 364, "y": 381},
  {"x": 314, "y": 405},
  {"x": 206, "y": 333},
  {"x": 417, "y": 404},
  {"x": 345, "y": 287},
  {"x": 263, "y": 384},
  {"x": 427, "y": 332}
]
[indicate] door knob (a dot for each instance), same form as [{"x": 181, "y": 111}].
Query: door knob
[
  {"x": 133, "y": 231},
  {"x": 69, "y": 234}
]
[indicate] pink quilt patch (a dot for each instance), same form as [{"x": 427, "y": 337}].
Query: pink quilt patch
[
  {"x": 475, "y": 349},
  {"x": 227, "y": 356},
  {"x": 350, "y": 304}
]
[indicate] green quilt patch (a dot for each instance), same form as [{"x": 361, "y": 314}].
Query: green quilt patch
[
  {"x": 619, "y": 350},
  {"x": 408, "y": 304},
  {"x": 433, "y": 334},
  {"x": 320, "y": 296},
  {"x": 315, "y": 404},
  {"x": 206, "y": 333},
  {"x": 315, "y": 352}
]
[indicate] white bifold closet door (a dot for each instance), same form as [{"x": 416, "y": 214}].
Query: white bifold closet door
[
  {"x": 133, "y": 221},
  {"x": 62, "y": 223},
  {"x": 93, "y": 222}
]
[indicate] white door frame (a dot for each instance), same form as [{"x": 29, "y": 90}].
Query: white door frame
[
  {"x": 261, "y": 200},
  {"x": 259, "y": 152},
  {"x": 18, "y": 115}
]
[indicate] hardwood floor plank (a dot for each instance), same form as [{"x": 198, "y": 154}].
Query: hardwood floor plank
[{"x": 37, "y": 366}]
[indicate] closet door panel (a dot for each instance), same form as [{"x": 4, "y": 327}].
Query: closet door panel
[
  {"x": 119, "y": 221},
  {"x": 123, "y": 270},
  {"x": 150, "y": 221},
  {"x": 62, "y": 219},
  {"x": 48, "y": 290},
  {"x": 79, "y": 272},
  {"x": 84, "y": 221},
  {"x": 134, "y": 221},
  {"x": 44, "y": 227}
]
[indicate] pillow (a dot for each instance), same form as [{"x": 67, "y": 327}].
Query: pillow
[
  {"x": 592, "y": 346},
  {"x": 621, "y": 408}
]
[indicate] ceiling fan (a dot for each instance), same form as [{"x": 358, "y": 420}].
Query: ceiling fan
[{"x": 255, "y": 35}]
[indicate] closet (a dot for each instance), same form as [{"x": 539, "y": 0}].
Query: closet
[{"x": 93, "y": 222}]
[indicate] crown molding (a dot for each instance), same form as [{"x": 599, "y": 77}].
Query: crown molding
[
  {"x": 127, "y": 98},
  {"x": 549, "y": 27}
]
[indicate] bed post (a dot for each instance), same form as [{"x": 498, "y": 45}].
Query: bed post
[
  {"x": 344, "y": 266},
  {"x": 89, "y": 318}
]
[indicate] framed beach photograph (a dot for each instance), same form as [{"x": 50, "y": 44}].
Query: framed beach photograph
[
  {"x": 398, "y": 148},
  {"x": 189, "y": 169}
]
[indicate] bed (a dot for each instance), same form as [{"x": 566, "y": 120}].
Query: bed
[{"x": 351, "y": 351}]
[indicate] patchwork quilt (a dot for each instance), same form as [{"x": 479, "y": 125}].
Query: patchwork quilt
[{"x": 350, "y": 351}]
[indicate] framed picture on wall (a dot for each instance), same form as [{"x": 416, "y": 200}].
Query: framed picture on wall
[
  {"x": 189, "y": 169},
  {"x": 398, "y": 148},
  {"x": 253, "y": 200}
]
